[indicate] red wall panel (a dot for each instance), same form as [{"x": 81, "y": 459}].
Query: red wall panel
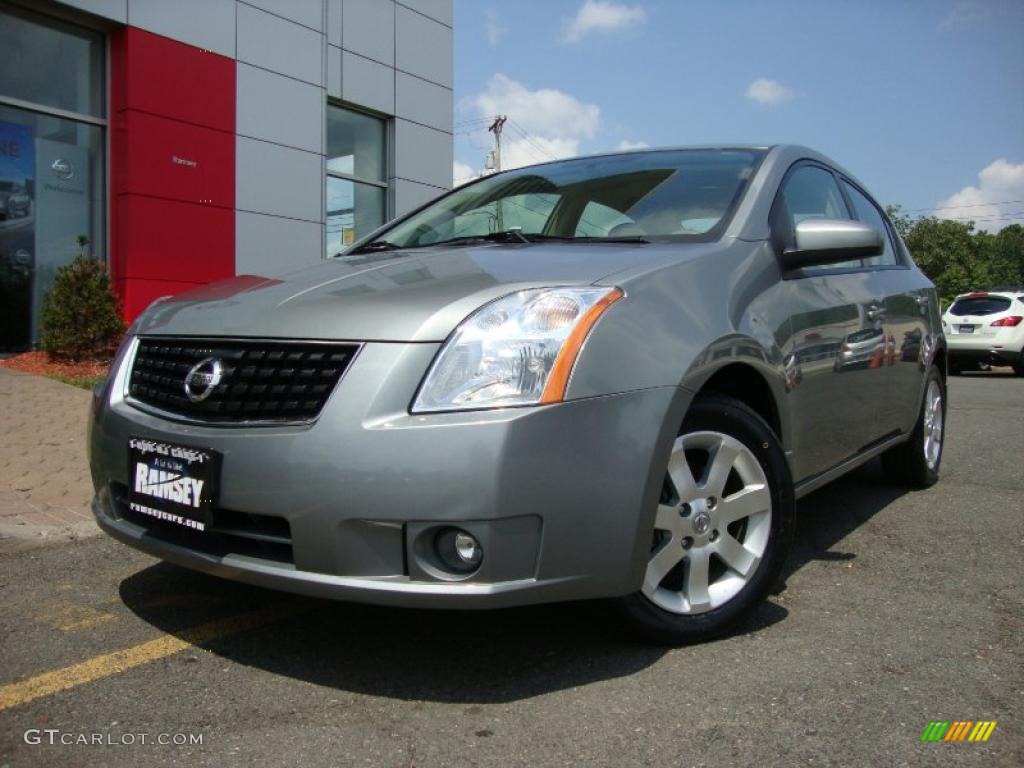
[
  {"x": 168, "y": 240},
  {"x": 181, "y": 161},
  {"x": 172, "y": 167},
  {"x": 176, "y": 80}
]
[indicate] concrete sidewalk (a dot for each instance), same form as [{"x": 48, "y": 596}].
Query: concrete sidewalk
[{"x": 44, "y": 477}]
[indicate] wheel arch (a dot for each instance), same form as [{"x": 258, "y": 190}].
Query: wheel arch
[{"x": 750, "y": 384}]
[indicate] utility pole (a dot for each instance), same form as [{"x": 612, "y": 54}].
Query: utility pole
[{"x": 496, "y": 126}]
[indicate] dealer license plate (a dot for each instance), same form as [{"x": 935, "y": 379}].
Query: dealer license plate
[{"x": 176, "y": 483}]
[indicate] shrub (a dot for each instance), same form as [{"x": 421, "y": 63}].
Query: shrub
[{"x": 80, "y": 315}]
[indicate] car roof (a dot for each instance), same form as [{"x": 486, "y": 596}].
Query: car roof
[{"x": 1011, "y": 294}]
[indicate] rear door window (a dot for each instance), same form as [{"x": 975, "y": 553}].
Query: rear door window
[{"x": 979, "y": 305}]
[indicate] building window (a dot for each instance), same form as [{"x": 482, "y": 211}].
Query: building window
[
  {"x": 356, "y": 183},
  {"x": 52, "y": 163}
]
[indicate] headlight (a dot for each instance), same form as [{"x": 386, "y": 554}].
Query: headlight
[{"x": 517, "y": 350}]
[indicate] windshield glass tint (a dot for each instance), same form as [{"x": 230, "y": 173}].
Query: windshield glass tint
[
  {"x": 980, "y": 305},
  {"x": 677, "y": 194}
]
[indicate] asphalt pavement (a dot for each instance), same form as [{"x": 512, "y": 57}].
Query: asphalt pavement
[{"x": 899, "y": 608}]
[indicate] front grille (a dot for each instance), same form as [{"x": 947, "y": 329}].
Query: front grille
[{"x": 259, "y": 381}]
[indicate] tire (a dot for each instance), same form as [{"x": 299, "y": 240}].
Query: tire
[
  {"x": 916, "y": 462},
  {"x": 1018, "y": 367},
  {"x": 698, "y": 585}
]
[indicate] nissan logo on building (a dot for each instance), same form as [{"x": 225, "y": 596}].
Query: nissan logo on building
[
  {"x": 62, "y": 169},
  {"x": 203, "y": 378}
]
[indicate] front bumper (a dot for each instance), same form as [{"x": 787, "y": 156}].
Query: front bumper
[{"x": 561, "y": 497}]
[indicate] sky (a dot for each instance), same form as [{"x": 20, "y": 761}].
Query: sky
[{"x": 922, "y": 101}]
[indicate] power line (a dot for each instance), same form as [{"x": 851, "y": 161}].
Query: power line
[
  {"x": 529, "y": 139},
  {"x": 952, "y": 207},
  {"x": 1010, "y": 215}
]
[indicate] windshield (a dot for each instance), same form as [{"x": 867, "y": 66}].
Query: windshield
[
  {"x": 674, "y": 194},
  {"x": 979, "y": 305}
]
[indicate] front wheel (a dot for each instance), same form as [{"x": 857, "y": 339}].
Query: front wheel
[
  {"x": 916, "y": 462},
  {"x": 722, "y": 530}
]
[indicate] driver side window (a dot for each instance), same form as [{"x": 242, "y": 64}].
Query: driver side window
[{"x": 811, "y": 192}]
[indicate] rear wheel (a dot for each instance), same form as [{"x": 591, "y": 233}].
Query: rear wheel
[
  {"x": 722, "y": 529},
  {"x": 916, "y": 462},
  {"x": 1018, "y": 367}
]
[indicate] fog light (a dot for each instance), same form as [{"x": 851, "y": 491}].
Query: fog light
[{"x": 458, "y": 550}]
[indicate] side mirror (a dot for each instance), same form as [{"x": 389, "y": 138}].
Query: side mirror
[{"x": 829, "y": 241}]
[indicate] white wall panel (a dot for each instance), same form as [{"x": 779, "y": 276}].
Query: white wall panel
[
  {"x": 423, "y": 47},
  {"x": 422, "y": 154},
  {"x": 115, "y": 10},
  {"x": 334, "y": 71},
  {"x": 411, "y": 194},
  {"x": 441, "y": 10},
  {"x": 367, "y": 83},
  {"x": 368, "y": 28},
  {"x": 423, "y": 101},
  {"x": 307, "y": 12},
  {"x": 279, "y": 45},
  {"x": 278, "y": 180},
  {"x": 270, "y": 246},
  {"x": 279, "y": 109},
  {"x": 334, "y": 13}
]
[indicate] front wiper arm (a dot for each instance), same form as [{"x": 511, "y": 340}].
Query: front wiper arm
[
  {"x": 375, "y": 246},
  {"x": 620, "y": 239},
  {"x": 504, "y": 236}
]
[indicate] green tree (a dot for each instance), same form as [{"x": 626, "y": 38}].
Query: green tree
[
  {"x": 80, "y": 317},
  {"x": 959, "y": 258}
]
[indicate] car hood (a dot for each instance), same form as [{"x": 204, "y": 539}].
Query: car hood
[{"x": 416, "y": 295}]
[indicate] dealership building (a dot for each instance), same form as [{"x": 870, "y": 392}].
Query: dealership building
[{"x": 185, "y": 141}]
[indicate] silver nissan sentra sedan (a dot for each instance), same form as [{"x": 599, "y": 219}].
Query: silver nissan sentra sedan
[{"x": 605, "y": 377}]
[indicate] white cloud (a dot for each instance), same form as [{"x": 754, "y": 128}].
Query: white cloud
[
  {"x": 543, "y": 124},
  {"x": 545, "y": 112},
  {"x": 769, "y": 92},
  {"x": 492, "y": 27},
  {"x": 600, "y": 15},
  {"x": 988, "y": 203},
  {"x": 626, "y": 145},
  {"x": 517, "y": 152},
  {"x": 965, "y": 12},
  {"x": 461, "y": 173}
]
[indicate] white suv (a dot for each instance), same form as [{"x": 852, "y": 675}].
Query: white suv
[{"x": 985, "y": 327}]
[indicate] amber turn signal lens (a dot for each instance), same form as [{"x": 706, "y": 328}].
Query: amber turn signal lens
[{"x": 554, "y": 391}]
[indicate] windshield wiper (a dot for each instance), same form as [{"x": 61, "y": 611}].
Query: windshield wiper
[
  {"x": 375, "y": 246},
  {"x": 505, "y": 236},
  {"x": 620, "y": 239}
]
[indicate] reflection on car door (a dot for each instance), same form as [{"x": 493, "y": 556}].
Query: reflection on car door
[
  {"x": 904, "y": 295},
  {"x": 837, "y": 336}
]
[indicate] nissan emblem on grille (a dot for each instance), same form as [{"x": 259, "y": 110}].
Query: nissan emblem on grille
[{"x": 203, "y": 378}]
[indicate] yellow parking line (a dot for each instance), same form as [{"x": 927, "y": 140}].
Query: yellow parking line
[{"x": 109, "y": 664}]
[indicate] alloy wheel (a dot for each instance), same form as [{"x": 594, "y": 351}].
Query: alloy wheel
[
  {"x": 933, "y": 424},
  {"x": 712, "y": 525}
]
